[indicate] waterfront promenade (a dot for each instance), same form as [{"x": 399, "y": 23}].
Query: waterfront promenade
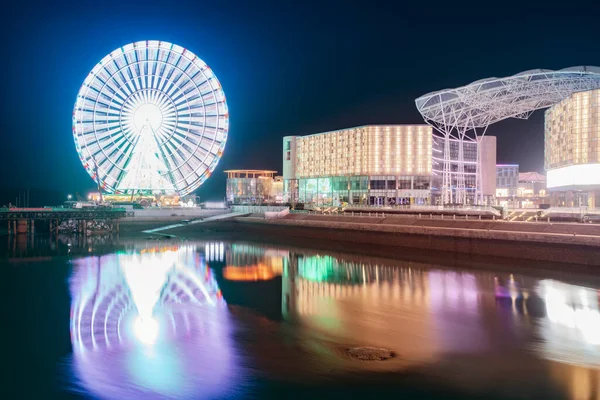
[{"x": 556, "y": 242}]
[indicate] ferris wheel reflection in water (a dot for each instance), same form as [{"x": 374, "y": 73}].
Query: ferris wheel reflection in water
[{"x": 151, "y": 321}]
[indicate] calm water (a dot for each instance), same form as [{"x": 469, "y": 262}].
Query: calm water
[{"x": 218, "y": 319}]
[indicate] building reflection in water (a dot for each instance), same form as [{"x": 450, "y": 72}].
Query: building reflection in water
[
  {"x": 246, "y": 262},
  {"x": 214, "y": 251},
  {"x": 571, "y": 334},
  {"x": 421, "y": 313},
  {"x": 150, "y": 322},
  {"x": 571, "y": 331}
]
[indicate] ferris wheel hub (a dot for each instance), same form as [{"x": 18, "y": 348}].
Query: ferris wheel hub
[{"x": 147, "y": 114}]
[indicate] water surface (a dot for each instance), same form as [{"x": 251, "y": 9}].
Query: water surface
[{"x": 219, "y": 319}]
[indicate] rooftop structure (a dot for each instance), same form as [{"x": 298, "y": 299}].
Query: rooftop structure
[
  {"x": 534, "y": 177},
  {"x": 462, "y": 111}
]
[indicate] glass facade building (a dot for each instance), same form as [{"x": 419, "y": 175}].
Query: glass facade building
[
  {"x": 253, "y": 187},
  {"x": 507, "y": 179},
  {"x": 367, "y": 165},
  {"x": 486, "y": 145},
  {"x": 469, "y": 162},
  {"x": 572, "y": 150}
]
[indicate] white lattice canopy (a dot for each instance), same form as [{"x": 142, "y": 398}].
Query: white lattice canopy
[
  {"x": 486, "y": 101},
  {"x": 462, "y": 111}
]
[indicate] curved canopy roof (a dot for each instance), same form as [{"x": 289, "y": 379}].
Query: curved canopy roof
[{"x": 490, "y": 100}]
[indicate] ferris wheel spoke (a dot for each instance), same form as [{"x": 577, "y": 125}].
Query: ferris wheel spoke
[
  {"x": 174, "y": 86},
  {"x": 115, "y": 82},
  {"x": 122, "y": 158},
  {"x": 133, "y": 77},
  {"x": 138, "y": 72},
  {"x": 124, "y": 83},
  {"x": 184, "y": 144},
  {"x": 119, "y": 79},
  {"x": 163, "y": 101},
  {"x": 161, "y": 135},
  {"x": 163, "y": 80},
  {"x": 116, "y": 95},
  {"x": 184, "y": 99},
  {"x": 179, "y": 84}
]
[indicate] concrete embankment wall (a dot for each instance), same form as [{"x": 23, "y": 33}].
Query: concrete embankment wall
[
  {"x": 525, "y": 243},
  {"x": 172, "y": 214}
]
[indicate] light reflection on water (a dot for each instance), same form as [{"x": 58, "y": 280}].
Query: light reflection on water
[
  {"x": 151, "y": 321},
  {"x": 478, "y": 331}
]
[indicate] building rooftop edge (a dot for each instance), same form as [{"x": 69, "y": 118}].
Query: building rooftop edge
[
  {"x": 360, "y": 126},
  {"x": 268, "y": 171}
]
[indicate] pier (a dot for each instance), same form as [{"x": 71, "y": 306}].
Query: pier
[{"x": 23, "y": 220}]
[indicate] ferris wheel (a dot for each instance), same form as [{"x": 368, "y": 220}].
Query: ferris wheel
[{"x": 151, "y": 117}]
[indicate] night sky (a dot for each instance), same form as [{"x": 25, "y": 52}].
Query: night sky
[{"x": 286, "y": 70}]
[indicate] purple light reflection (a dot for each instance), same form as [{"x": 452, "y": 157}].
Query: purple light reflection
[
  {"x": 456, "y": 310},
  {"x": 191, "y": 355}
]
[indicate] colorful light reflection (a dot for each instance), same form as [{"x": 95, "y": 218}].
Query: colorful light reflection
[
  {"x": 150, "y": 324},
  {"x": 572, "y": 330}
]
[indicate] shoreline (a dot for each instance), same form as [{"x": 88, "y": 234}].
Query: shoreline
[
  {"x": 357, "y": 245},
  {"x": 234, "y": 231},
  {"x": 511, "y": 243},
  {"x": 554, "y": 243},
  {"x": 534, "y": 246}
]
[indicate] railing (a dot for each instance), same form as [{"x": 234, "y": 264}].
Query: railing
[
  {"x": 258, "y": 209},
  {"x": 376, "y": 214},
  {"x": 426, "y": 209},
  {"x": 571, "y": 210}
]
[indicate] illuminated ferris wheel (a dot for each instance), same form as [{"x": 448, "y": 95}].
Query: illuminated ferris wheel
[{"x": 151, "y": 117}]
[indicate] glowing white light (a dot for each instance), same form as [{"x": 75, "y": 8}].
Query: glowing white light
[
  {"x": 148, "y": 114},
  {"x": 145, "y": 280},
  {"x": 146, "y": 330},
  {"x": 583, "y": 317},
  {"x": 574, "y": 175}
]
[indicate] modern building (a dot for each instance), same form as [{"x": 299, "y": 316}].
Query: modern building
[
  {"x": 572, "y": 150},
  {"x": 516, "y": 189},
  {"x": 507, "y": 182},
  {"x": 531, "y": 190},
  {"x": 519, "y": 189},
  {"x": 250, "y": 186},
  {"x": 374, "y": 165},
  {"x": 487, "y": 168}
]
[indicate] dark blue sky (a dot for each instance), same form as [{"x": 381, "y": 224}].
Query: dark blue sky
[{"x": 286, "y": 69}]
